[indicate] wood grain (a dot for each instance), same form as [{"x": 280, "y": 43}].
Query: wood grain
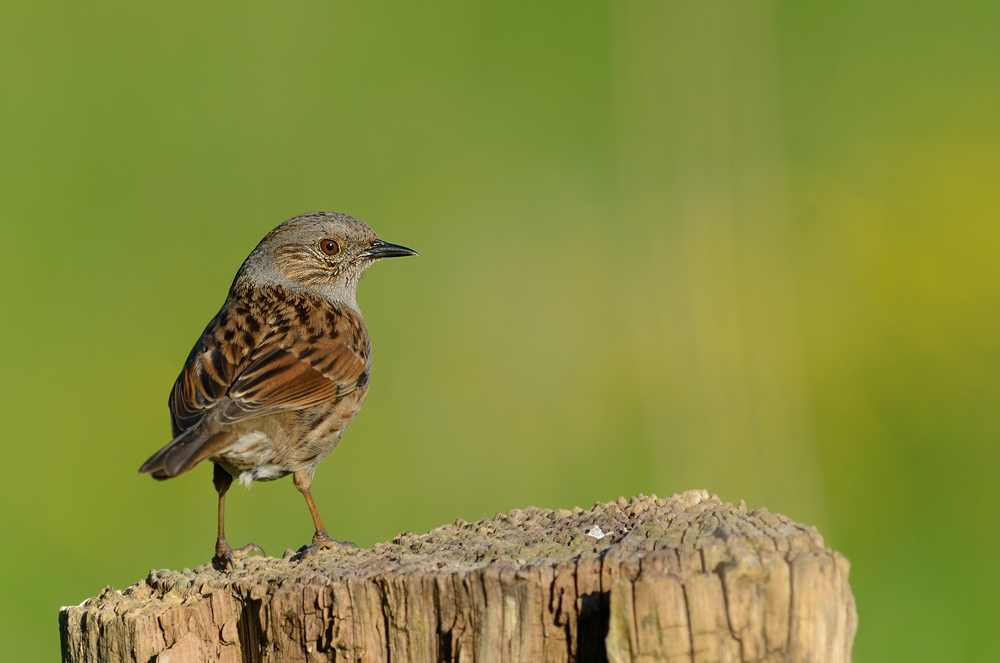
[{"x": 685, "y": 579}]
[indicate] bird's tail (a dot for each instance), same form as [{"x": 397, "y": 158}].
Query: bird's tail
[{"x": 183, "y": 453}]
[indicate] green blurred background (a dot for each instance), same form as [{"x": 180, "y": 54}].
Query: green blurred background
[{"x": 745, "y": 247}]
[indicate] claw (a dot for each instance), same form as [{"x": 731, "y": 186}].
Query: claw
[
  {"x": 322, "y": 541},
  {"x": 227, "y": 556}
]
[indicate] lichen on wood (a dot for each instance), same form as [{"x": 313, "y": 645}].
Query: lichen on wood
[{"x": 687, "y": 578}]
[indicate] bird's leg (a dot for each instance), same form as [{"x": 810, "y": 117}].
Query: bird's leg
[
  {"x": 303, "y": 481},
  {"x": 225, "y": 555}
]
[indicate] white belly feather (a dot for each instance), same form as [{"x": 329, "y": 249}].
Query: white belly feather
[{"x": 254, "y": 449}]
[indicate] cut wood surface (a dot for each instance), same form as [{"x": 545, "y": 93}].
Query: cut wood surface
[{"x": 684, "y": 579}]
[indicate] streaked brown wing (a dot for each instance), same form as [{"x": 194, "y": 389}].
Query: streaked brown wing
[
  {"x": 309, "y": 354},
  {"x": 287, "y": 377},
  {"x": 205, "y": 378}
]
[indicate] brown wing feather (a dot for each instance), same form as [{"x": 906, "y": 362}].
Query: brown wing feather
[
  {"x": 308, "y": 352},
  {"x": 204, "y": 380}
]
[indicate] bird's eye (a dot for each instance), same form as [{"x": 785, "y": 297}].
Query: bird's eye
[{"x": 329, "y": 246}]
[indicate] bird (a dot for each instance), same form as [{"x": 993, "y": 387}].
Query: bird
[{"x": 283, "y": 368}]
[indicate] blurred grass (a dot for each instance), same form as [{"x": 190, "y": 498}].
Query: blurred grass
[{"x": 757, "y": 257}]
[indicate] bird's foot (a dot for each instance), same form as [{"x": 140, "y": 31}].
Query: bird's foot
[
  {"x": 322, "y": 541},
  {"x": 226, "y": 556}
]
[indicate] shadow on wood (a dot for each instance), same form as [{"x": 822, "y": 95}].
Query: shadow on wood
[{"x": 684, "y": 579}]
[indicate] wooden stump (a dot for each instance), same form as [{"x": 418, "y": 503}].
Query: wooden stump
[{"x": 681, "y": 579}]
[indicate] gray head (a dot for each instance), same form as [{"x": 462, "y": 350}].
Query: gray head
[{"x": 324, "y": 252}]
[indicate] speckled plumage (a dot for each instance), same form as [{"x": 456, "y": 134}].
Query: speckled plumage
[{"x": 283, "y": 368}]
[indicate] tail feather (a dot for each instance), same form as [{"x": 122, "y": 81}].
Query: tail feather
[{"x": 183, "y": 453}]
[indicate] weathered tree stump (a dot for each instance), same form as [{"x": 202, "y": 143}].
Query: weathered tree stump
[{"x": 681, "y": 579}]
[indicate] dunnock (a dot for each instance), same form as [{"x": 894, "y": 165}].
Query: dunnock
[{"x": 282, "y": 370}]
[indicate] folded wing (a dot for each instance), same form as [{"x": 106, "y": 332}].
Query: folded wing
[{"x": 284, "y": 355}]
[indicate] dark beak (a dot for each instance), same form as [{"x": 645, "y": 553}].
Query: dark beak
[{"x": 380, "y": 249}]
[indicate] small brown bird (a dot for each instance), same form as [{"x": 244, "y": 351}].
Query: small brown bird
[{"x": 282, "y": 370}]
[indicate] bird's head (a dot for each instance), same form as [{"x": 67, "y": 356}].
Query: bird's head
[{"x": 323, "y": 251}]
